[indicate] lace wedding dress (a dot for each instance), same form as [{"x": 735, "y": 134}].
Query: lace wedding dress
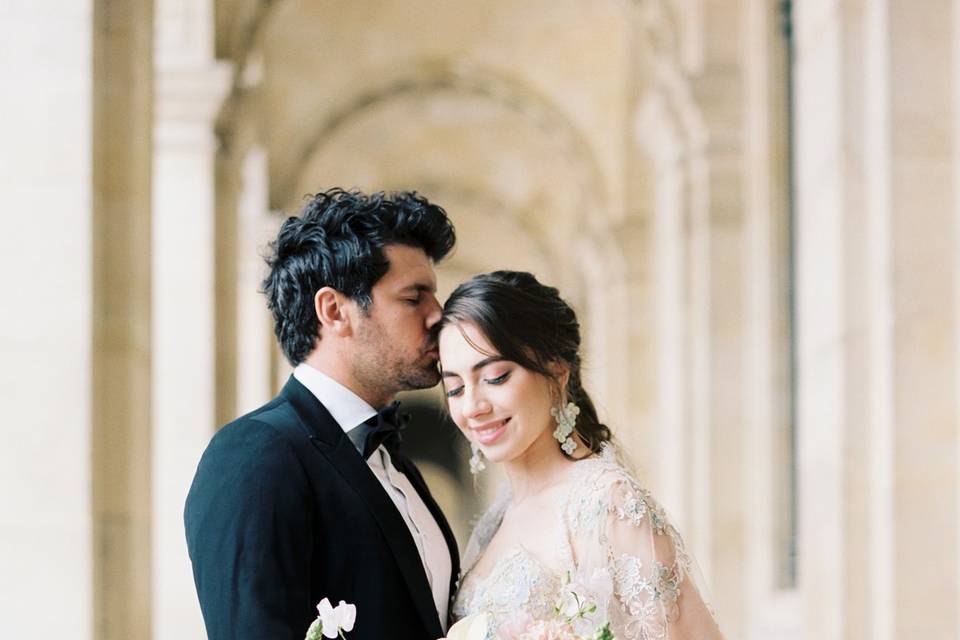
[{"x": 618, "y": 552}]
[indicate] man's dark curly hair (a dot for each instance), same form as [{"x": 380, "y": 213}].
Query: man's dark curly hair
[{"x": 338, "y": 242}]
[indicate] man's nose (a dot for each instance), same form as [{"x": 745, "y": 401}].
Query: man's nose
[{"x": 434, "y": 313}]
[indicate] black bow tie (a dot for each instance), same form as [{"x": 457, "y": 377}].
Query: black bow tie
[{"x": 383, "y": 428}]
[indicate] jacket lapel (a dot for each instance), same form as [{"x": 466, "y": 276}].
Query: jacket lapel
[
  {"x": 406, "y": 466},
  {"x": 328, "y": 437}
]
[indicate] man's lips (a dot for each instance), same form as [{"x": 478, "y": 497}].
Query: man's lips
[{"x": 489, "y": 432}]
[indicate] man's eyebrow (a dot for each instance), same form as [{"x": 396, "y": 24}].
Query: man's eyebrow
[
  {"x": 420, "y": 286},
  {"x": 479, "y": 365}
]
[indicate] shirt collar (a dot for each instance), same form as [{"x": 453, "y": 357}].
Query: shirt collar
[{"x": 346, "y": 407}]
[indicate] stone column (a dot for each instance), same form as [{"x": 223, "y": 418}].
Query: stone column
[
  {"x": 878, "y": 323},
  {"x": 190, "y": 87},
  {"x": 255, "y": 340},
  {"x": 46, "y": 124},
  {"x": 661, "y": 140},
  {"x": 228, "y": 186},
  {"x": 867, "y": 483},
  {"x": 122, "y": 158},
  {"x": 770, "y": 603},
  {"x": 720, "y": 332},
  {"x": 245, "y": 350},
  {"x": 821, "y": 313},
  {"x": 605, "y": 321},
  {"x": 926, "y": 327}
]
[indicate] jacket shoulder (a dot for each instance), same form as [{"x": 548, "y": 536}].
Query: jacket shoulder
[{"x": 273, "y": 419}]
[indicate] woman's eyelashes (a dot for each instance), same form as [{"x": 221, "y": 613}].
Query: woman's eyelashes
[
  {"x": 452, "y": 393},
  {"x": 500, "y": 379}
]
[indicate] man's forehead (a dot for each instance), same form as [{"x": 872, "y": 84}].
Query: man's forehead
[
  {"x": 410, "y": 268},
  {"x": 417, "y": 279}
]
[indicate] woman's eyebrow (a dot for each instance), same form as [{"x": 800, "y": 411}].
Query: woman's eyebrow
[{"x": 479, "y": 365}]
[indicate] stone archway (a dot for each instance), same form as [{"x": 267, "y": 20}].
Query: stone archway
[{"x": 509, "y": 169}]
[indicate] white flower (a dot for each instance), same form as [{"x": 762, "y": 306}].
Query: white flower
[
  {"x": 470, "y": 628},
  {"x": 582, "y": 600},
  {"x": 569, "y": 605},
  {"x": 334, "y": 620}
]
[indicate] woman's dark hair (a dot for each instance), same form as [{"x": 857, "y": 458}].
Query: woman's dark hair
[
  {"x": 529, "y": 323},
  {"x": 338, "y": 242}
]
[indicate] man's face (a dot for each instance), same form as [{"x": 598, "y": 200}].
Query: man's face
[{"x": 395, "y": 348}]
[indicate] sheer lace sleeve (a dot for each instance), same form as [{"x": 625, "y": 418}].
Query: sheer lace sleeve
[
  {"x": 654, "y": 595},
  {"x": 484, "y": 529}
]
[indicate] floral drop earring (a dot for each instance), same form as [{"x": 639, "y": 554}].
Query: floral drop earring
[
  {"x": 566, "y": 418},
  {"x": 476, "y": 459}
]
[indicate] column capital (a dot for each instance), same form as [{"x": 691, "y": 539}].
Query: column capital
[
  {"x": 187, "y": 101},
  {"x": 192, "y": 94}
]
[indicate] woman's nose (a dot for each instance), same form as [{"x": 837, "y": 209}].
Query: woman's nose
[{"x": 475, "y": 406}]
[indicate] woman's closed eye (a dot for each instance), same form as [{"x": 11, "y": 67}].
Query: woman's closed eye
[
  {"x": 499, "y": 379},
  {"x": 452, "y": 393}
]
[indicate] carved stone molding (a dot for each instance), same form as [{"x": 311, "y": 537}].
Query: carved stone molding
[{"x": 464, "y": 80}]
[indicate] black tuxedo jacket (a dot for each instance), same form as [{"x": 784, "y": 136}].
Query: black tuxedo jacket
[{"x": 283, "y": 512}]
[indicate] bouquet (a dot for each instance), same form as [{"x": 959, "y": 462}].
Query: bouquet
[
  {"x": 523, "y": 627},
  {"x": 575, "y": 617}
]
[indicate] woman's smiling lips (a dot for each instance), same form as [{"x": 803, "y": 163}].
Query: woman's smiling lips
[{"x": 489, "y": 432}]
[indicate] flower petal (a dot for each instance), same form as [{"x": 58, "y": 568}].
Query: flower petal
[
  {"x": 328, "y": 619},
  {"x": 324, "y": 608},
  {"x": 346, "y": 615},
  {"x": 470, "y": 628}
]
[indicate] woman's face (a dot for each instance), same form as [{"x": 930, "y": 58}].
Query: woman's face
[{"x": 496, "y": 403}]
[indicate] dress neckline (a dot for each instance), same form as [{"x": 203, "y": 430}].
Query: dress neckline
[
  {"x": 515, "y": 551},
  {"x": 497, "y": 511}
]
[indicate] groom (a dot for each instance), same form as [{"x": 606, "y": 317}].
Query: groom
[{"x": 308, "y": 497}]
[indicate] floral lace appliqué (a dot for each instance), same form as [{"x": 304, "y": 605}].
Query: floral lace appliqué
[
  {"x": 634, "y": 510},
  {"x": 518, "y": 581},
  {"x": 619, "y": 528}
]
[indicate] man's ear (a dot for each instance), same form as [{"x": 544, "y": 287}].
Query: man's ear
[{"x": 330, "y": 307}]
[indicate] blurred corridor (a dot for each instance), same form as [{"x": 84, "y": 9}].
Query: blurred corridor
[{"x": 751, "y": 203}]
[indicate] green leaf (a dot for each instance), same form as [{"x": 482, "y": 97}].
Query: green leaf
[{"x": 315, "y": 630}]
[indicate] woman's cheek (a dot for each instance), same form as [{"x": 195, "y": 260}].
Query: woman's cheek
[{"x": 461, "y": 424}]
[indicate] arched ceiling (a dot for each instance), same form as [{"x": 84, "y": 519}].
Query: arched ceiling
[
  {"x": 440, "y": 141},
  {"x": 323, "y": 60},
  {"x": 519, "y": 114}
]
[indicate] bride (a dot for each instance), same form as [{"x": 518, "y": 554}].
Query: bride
[{"x": 573, "y": 536}]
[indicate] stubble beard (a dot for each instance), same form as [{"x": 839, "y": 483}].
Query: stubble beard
[
  {"x": 385, "y": 370},
  {"x": 418, "y": 375},
  {"x": 387, "y": 376}
]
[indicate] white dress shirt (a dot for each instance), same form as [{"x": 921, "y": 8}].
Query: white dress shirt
[{"x": 350, "y": 411}]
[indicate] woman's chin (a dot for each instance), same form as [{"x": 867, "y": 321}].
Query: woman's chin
[
  {"x": 509, "y": 447},
  {"x": 499, "y": 453}
]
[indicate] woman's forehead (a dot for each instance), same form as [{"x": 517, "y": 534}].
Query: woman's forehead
[{"x": 466, "y": 340}]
